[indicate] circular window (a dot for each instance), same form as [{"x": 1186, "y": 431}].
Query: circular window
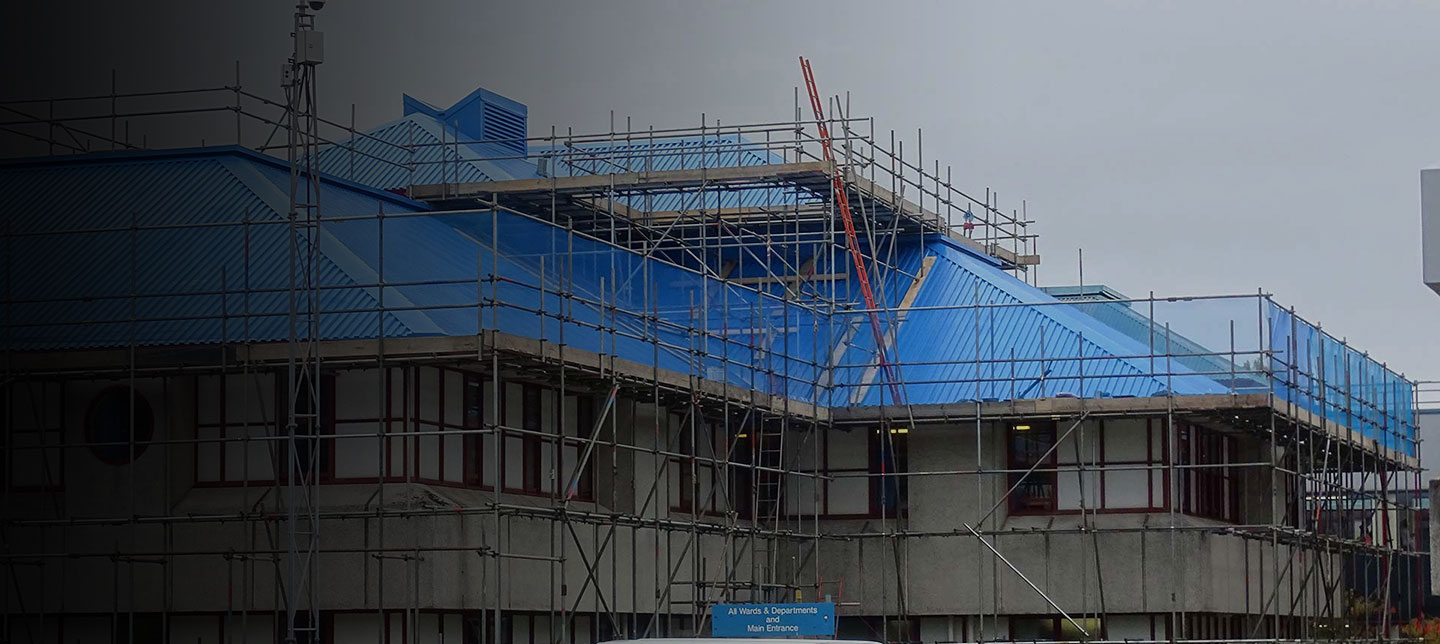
[{"x": 113, "y": 413}]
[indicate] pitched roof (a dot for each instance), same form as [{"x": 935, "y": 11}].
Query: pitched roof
[{"x": 193, "y": 235}]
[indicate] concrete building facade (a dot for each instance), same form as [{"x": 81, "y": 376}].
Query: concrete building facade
[{"x": 569, "y": 389}]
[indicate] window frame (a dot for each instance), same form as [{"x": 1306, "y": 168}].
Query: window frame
[
  {"x": 1208, "y": 492},
  {"x": 874, "y": 483},
  {"x": 50, "y": 429},
  {"x": 693, "y": 463},
  {"x": 1015, "y": 461},
  {"x": 324, "y": 439}
]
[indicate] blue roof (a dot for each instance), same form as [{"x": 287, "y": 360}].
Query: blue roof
[
  {"x": 183, "y": 276},
  {"x": 975, "y": 332},
  {"x": 192, "y": 247},
  {"x": 84, "y": 219},
  {"x": 421, "y": 146}
]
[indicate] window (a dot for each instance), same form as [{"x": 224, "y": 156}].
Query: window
[
  {"x": 580, "y": 419},
  {"x": 694, "y": 475},
  {"x": 700, "y": 480},
  {"x": 889, "y": 455},
  {"x": 1123, "y": 461},
  {"x": 144, "y": 627},
  {"x": 860, "y": 466},
  {"x": 531, "y": 628},
  {"x": 234, "y": 419},
  {"x": 369, "y": 415},
  {"x": 545, "y": 436},
  {"x": 437, "y": 420},
  {"x": 1028, "y": 443},
  {"x": 1206, "y": 491},
  {"x": 33, "y": 451},
  {"x": 1110, "y": 465},
  {"x": 521, "y": 468},
  {"x": 478, "y": 400},
  {"x": 119, "y": 425},
  {"x": 313, "y": 453},
  {"x": 1055, "y": 629}
]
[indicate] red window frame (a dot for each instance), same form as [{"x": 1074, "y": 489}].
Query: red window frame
[
  {"x": 695, "y": 463},
  {"x": 1209, "y": 492},
  {"x": 323, "y": 434},
  {"x": 876, "y": 464},
  {"x": 536, "y": 441},
  {"x": 585, "y": 418},
  {"x": 223, "y": 425},
  {"x": 472, "y": 410},
  {"x": 1035, "y": 492},
  {"x": 51, "y": 432}
]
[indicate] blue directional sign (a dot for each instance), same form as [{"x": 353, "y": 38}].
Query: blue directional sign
[{"x": 772, "y": 620}]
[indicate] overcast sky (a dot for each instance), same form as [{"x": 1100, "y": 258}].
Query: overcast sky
[{"x": 1194, "y": 148}]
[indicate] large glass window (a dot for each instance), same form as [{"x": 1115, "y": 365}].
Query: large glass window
[
  {"x": 861, "y": 473},
  {"x": 889, "y": 460},
  {"x": 32, "y": 449},
  {"x": 1207, "y": 488},
  {"x": 235, "y": 426},
  {"x": 1029, "y": 442},
  {"x": 1055, "y": 629}
]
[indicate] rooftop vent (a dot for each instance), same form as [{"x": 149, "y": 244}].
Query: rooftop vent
[{"x": 482, "y": 115}]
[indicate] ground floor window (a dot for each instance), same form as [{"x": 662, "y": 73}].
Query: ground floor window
[{"x": 1055, "y": 629}]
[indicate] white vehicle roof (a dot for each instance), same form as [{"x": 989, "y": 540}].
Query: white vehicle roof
[{"x": 734, "y": 640}]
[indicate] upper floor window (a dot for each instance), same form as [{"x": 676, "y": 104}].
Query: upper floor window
[
  {"x": 711, "y": 474},
  {"x": 235, "y": 419},
  {"x": 1112, "y": 465},
  {"x": 314, "y": 419},
  {"x": 1206, "y": 490},
  {"x": 544, "y": 440},
  {"x": 1119, "y": 465},
  {"x": 32, "y": 453},
  {"x": 889, "y": 460},
  {"x": 1029, "y": 444},
  {"x": 858, "y": 473}
]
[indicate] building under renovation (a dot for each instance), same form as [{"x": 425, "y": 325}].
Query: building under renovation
[{"x": 441, "y": 381}]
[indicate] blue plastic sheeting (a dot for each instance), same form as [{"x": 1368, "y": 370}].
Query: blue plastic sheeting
[
  {"x": 622, "y": 303},
  {"x": 417, "y": 150},
  {"x": 234, "y": 276},
  {"x": 99, "y": 228},
  {"x": 421, "y": 147},
  {"x": 998, "y": 338},
  {"x": 192, "y": 247},
  {"x": 672, "y": 153},
  {"x": 1159, "y": 340},
  {"x": 1319, "y": 373}
]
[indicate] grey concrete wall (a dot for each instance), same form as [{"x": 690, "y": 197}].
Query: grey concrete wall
[{"x": 432, "y": 560}]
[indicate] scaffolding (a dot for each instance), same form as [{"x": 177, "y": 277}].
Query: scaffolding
[{"x": 693, "y": 279}]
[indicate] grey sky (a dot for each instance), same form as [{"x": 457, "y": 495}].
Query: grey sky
[{"x": 1189, "y": 149}]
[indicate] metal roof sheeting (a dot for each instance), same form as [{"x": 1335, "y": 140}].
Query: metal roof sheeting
[
  {"x": 1018, "y": 343},
  {"x": 192, "y": 247},
  {"x": 104, "y": 263}
]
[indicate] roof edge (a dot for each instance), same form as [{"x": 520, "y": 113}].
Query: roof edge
[{"x": 217, "y": 151}]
